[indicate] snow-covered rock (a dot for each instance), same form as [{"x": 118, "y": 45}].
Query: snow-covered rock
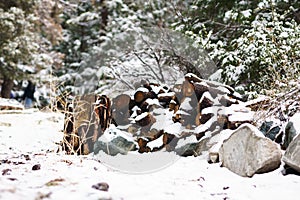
[
  {"x": 292, "y": 154},
  {"x": 115, "y": 141},
  {"x": 247, "y": 152},
  {"x": 281, "y": 132}
]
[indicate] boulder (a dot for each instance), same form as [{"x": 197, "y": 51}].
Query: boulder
[
  {"x": 290, "y": 133},
  {"x": 118, "y": 145},
  {"x": 187, "y": 149},
  {"x": 291, "y": 156},
  {"x": 247, "y": 152}
]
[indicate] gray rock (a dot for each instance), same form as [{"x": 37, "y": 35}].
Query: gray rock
[
  {"x": 269, "y": 130},
  {"x": 290, "y": 133},
  {"x": 187, "y": 150},
  {"x": 117, "y": 145},
  {"x": 278, "y": 133},
  {"x": 247, "y": 152},
  {"x": 292, "y": 154}
]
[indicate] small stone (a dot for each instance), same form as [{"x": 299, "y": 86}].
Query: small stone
[
  {"x": 101, "y": 186},
  {"x": 6, "y": 172},
  {"x": 213, "y": 157},
  {"x": 27, "y": 157},
  {"x": 36, "y": 167}
]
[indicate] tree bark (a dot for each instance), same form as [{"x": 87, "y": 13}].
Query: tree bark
[{"x": 7, "y": 86}]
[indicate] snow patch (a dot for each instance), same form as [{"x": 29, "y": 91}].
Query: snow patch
[{"x": 185, "y": 105}]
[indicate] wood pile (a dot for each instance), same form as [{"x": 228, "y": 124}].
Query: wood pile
[{"x": 157, "y": 117}]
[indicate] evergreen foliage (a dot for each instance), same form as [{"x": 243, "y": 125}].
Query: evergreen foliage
[{"x": 254, "y": 44}]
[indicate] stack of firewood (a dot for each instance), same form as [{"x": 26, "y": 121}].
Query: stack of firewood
[{"x": 157, "y": 117}]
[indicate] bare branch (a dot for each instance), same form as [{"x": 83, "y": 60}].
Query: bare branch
[
  {"x": 119, "y": 77},
  {"x": 147, "y": 65},
  {"x": 162, "y": 79}
]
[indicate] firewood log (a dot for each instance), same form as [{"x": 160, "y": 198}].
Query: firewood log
[
  {"x": 142, "y": 142},
  {"x": 144, "y": 119},
  {"x": 139, "y": 97},
  {"x": 205, "y": 117},
  {"x": 122, "y": 102},
  {"x": 259, "y": 104},
  {"x": 176, "y": 117},
  {"x": 192, "y": 78},
  {"x": 149, "y": 104},
  {"x": 85, "y": 140},
  {"x": 83, "y": 109},
  {"x": 155, "y": 149},
  {"x": 206, "y": 101},
  {"x": 150, "y": 86},
  {"x": 173, "y": 106},
  {"x": 120, "y": 118},
  {"x": 165, "y": 98},
  {"x": 167, "y": 138},
  {"x": 156, "y": 134},
  {"x": 197, "y": 119},
  {"x": 199, "y": 89},
  {"x": 143, "y": 148},
  {"x": 235, "y": 124},
  {"x": 222, "y": 120},
  {"x": 200, "y": 135},
  {"x": 144, "y": 106},
  {"x": 85, "y": 124},
  {"x": 151, "y": 95},
  {"x": 103, "y": 111},
  {"x": 187, "y": 89},
  {"x": 212, "y": 84},
  {"x": 170, "y": 141},
  {"x": 121, "y": 109},
  {"x": 133, "y": 129},
  {"x": 151, "y": 134},
  {"x": 227, "y": 101},
  {"x": 147, "y": 85},
  {"x": 187, "y": 112},
  {"x": 214, "y": 92}
]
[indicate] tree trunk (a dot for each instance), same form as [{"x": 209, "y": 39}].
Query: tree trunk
[
  {"x": 7, "y": 86},
  {"x": 104, "y": 18}
]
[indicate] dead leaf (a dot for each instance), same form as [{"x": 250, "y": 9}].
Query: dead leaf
[{"x": 55, "y": 182}]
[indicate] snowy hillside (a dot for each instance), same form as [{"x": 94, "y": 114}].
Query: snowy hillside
[{"x": 31, "y": 169}]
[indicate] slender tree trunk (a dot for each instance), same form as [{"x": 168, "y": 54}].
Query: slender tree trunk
[
  {"x": 7, "y": 86},
  {"x": 104, "y": 18}
]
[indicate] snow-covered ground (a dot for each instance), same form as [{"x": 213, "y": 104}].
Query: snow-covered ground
[{"x": 28, "y": 138}]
